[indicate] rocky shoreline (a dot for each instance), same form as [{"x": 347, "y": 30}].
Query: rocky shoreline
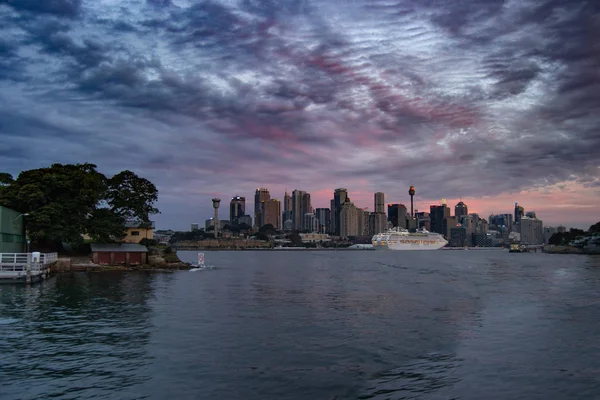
[{"x": 159, "y": 262}]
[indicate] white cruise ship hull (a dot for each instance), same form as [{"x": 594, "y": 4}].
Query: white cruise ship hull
[
  {"x": 409, "y": 246},
  {"x": 401, "y": 239}
]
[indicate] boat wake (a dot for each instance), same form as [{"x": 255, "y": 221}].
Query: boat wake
[{"x": 202, "y": 268}]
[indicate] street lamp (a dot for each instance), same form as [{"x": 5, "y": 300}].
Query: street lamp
[{"x": 22, "y": 215}]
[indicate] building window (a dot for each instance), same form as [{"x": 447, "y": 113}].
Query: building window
[{"x": 135, "y": 233}]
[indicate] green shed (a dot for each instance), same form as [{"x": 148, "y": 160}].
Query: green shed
[{"x": 12, "y": 239}]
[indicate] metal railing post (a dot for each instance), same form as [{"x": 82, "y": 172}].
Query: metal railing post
[{"x": 28, "y": 277}]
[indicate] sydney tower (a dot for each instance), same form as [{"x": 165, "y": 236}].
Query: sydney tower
[{"x": 411, "y": 191}]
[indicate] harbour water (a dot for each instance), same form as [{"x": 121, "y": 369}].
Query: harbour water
[{"x": 311, "y": 325}]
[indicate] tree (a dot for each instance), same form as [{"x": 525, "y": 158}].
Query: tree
[
  {"x": 295, "y": 239},
  {"x": 244, "y": 227},
  {"x": 58, "y": 199},
  {"x": 262, "y": 236},
  {"x": 104, "y": 225},
  {"x": 63, "y": 202},
  {"x": 269, "y": 229},
  {"x": 5, "y": 179},
  {"x": 595, "y": 228},
  {"x": 132, "y": 197}
]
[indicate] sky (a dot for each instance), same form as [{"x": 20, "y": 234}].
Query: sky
[{"x": 494, "y": 102}]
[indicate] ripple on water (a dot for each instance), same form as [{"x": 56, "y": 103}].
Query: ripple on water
[{"x": 422, "y": 376}]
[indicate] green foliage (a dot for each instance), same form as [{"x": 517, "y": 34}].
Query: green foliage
[
  {"x": 295, "y": 239},
  {"x": 268, "y": 229},
  {"x": 244, "y": 227},
  {"x": 103, "y": 225},
  {"x": 595, "y": 228},
  {"x": 131, "y": 197},
  {"x": 262, "y": 236},
  {"x": 66, "y": 201},
  {"x": 5, "y": 179}
]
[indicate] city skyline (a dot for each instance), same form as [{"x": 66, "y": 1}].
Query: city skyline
[
  {"x": 491, "y": 102},
  {"x": 420, "y": 205}
]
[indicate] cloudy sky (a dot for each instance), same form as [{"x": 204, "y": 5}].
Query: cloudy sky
[{"x": 492, "y": 101}]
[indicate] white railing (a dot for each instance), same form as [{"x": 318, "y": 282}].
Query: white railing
[{"x": 18, "y": 259}]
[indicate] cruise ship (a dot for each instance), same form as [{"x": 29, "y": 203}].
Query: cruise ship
[{"x": 402, "y": 239}]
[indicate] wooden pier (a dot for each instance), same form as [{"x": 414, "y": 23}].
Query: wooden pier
[{"x": 25, "y": 267}]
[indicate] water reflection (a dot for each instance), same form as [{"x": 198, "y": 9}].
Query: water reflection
[{"x": 78, "y": 335}]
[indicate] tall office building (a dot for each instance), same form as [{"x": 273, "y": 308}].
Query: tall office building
[
  {"x": 237, "y": 209},
  {"x": 339, "y": 198},
  {"x": 287, "y": 208},
  {"x": 397, "y": 214},
  {"x": 379, "y": 222},
  {"x": 323, "y": 216},
  {"x": 519, "y": 213},
  {"x": 271, "y": 213},
  {"x": 379, "y": 202},
  {"x": 437, "y": 213},
  {"x": 260, "y": 195},
  {"x": 287, "y": 202},
  {"x": 300, "y": 206},
  {"x": 460, "y": 209}
]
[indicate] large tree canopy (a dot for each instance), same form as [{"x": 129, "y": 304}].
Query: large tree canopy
[
  {"x": 65, "y": 201},
  {"x": 131, "y": 197}
]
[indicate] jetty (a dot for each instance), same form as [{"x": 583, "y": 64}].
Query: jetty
[{"x": 25, "y": 267}]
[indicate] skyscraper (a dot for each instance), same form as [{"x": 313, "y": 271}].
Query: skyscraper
[
  {"x": 378, "y": 223},
  {"x": 437, "y": 214},
  {"x": 379, "y": 202},
  {"x": 460, "y": 209},
  {"x": 339, "y": 198},
  {"x": 397, "y": 215},
  {"x": 237, "y": 208},
  {"x": 260, "y": 195},
  {"x": 324, "y": 216},
  {"x": 519, "y": 212},
  {"x": 287, "y": 208},
  {"x": 300, "y": 206},
  {"x": 271, "y": 213},
  {"x": 349, "y": 225}
]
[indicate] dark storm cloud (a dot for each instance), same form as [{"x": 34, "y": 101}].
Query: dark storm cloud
[
  {"x": 61, "y": 8},
  {"x": 502, "y": 94}
]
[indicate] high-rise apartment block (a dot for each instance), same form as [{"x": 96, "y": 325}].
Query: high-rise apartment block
[
  {"x": 349, "y": 225},
  {"x": 532, "y": 231},
  {"x": 271, "y": 213}
]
